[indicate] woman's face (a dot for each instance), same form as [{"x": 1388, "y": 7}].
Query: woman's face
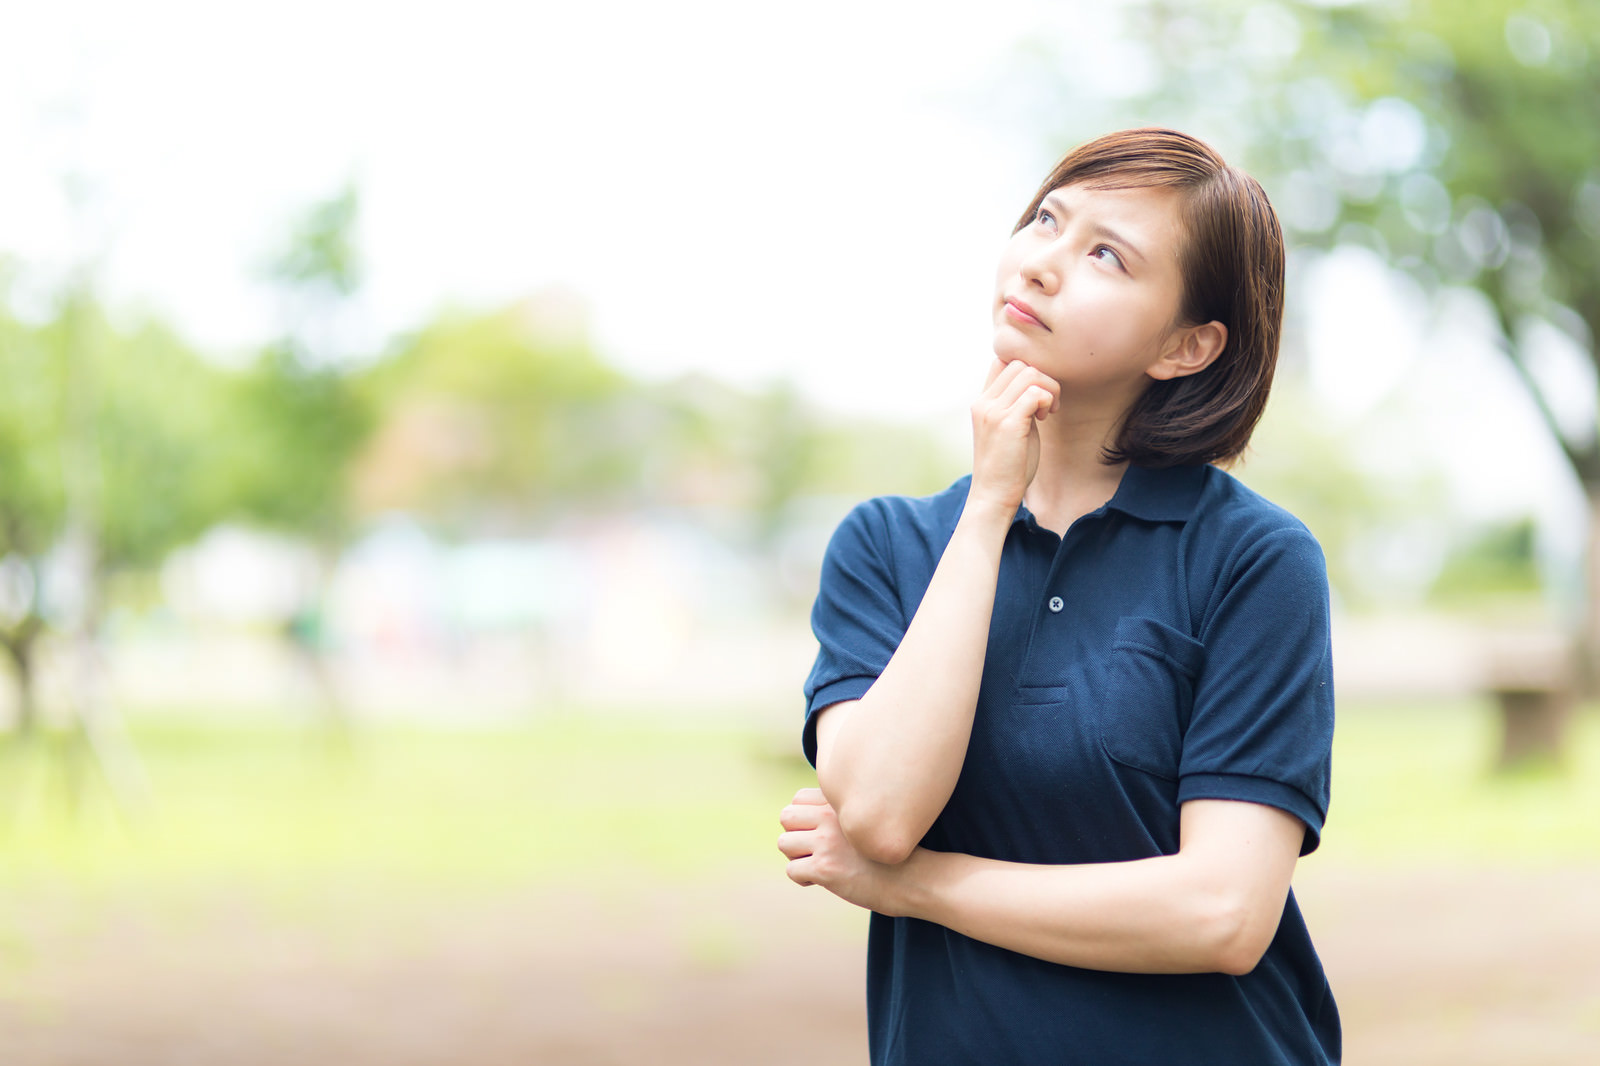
[{"x": 1088, "y": 292}]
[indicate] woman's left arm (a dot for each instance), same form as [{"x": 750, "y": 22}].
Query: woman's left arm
[{"x": 1214, "y": 906}]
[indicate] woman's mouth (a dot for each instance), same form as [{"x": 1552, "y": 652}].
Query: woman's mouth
[{"x": 1020, "y": 312}]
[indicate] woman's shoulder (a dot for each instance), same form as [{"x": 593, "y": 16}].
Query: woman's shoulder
[
  {"x": 899, "y": 518},
  {"x": 1232, "y": 506},
  {"x": 945, "y": 504},
  {"x": 1236, "y": 521},
  {"x": 1246, "y": 550}
]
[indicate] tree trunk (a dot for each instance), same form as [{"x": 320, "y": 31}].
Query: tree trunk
[
  {"x": 20, "y": 645},
  {"x": 308, "y": 636},
  {"x": 1588, "y": 649},
  {"x": 105, "y": 737},
  {"x": 1533, "y": 726}
]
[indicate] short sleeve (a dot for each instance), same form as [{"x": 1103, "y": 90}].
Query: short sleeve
[
  {"x": 858, "y": 618},
  {"x": 1261, "y": 729}
]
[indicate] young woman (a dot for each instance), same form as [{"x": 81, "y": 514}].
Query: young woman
[{"x": 1071, "y": 717}]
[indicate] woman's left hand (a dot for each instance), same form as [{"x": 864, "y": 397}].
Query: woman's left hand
[{"x": 820, "y": 854}]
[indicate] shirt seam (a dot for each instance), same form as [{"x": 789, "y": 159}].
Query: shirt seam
[
  {"x": 887, "y": 548},
  {"x": 1226, "y": 579}
]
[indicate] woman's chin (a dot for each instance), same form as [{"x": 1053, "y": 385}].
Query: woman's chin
[{"x": 1007, "y": 346}]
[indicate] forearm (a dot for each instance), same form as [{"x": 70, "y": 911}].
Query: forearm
[
  {"x": 889, "y": 765},
  {"x": 1168, "y": 914},
  {"x": 1214, "y": 906}
]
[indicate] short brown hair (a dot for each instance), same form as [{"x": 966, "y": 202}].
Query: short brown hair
[{"x": 1232, "y": 266}]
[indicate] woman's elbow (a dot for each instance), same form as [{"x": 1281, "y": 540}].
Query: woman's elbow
[
  {"x": 880, "y": 839},
  {"x": 869, "y": 821},
  {"x": 1241, "y": 957},
  {"x": 1239, "y": 935}
]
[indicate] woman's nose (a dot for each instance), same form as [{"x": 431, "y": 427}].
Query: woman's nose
[{"x": 1041, "y": 266}]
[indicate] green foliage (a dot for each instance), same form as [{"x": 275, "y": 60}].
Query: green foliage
[
  {"x": 153, "y": 444},
  {"x": 150, "y": 421},
  {"x": 1303, "y": 463},
  {"x": 1496, "y": 564},
  {"x": 772, "y": 449},
  {"x": 320, "y": 254},
  {"x": 856, "y": 459},
  {"x": 509, "y": 419},
  {"x": 292, "y": 432},
  {"x": 505, "y": 421},
  {"x": 159, "y": 422},
  {"x": 494, "y": 419},
  {"x": 32, "y": 499},
  {"x": 298, "y": 416}
]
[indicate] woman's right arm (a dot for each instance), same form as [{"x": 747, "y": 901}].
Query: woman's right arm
[{"x": 888, "y": 762}]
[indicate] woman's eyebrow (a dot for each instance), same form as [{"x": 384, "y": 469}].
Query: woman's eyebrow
[{"x": 1098, "y": 229}]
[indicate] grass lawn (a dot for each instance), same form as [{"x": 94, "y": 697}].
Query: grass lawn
[
  {"x": 1414, "y": 785},
  {"x": 598, "y": 889},
  {"x": 568, "y": 798},
  {"x": 422, "y": 809}
]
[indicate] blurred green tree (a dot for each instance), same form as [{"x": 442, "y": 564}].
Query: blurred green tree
[
  {"x": 300, "y": 418},
  {"x": 300, "y": 415},
  {"x": 142, "y": 451},
  {"x": 1494, "y": 565},
  {"x": 161, "y": 409},
  {"x": 32, "y": 503},
  {"x": 509, "y": 420},
  {"x": 498, "y": 421}
]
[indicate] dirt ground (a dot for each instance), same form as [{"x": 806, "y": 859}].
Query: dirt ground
[{"x": 1462, "y": 966}]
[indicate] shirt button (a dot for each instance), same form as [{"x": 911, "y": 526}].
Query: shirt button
[{"x": 1056, "y": 603}]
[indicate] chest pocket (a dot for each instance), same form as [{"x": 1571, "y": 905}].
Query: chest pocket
[{"x": 1148, "y": 696}]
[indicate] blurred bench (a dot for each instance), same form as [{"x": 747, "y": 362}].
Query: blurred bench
[{"x": 1532, "y": 678}]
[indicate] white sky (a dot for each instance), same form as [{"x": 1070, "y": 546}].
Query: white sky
[{"x": 756, "y": 190}]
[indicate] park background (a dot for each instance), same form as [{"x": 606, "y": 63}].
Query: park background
[{"x": 420, "y": 428}]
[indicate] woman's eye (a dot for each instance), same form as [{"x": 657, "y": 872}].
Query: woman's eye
[
  {"x": 1044, "y": 218},
  {"x": 1107, "y": 255}
]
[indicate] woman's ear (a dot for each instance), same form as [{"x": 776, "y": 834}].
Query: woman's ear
[{"x": 1193, "y": 349}]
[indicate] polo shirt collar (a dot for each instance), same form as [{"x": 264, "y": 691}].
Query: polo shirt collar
[{"x": 1165, "y": 495}]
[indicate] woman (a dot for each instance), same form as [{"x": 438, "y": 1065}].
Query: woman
[{"x": 1071, "y": 717}]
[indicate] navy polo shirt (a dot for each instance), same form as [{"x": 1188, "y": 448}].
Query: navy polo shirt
[{"x": 1173, "y": 645}]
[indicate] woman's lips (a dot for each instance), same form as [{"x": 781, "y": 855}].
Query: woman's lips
[{"x": 1023, "y": 313}]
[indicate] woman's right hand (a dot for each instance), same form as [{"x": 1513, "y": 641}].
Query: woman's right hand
[{"x": 1005, "y": 431}]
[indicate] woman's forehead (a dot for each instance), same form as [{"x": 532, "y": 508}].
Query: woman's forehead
[
  {"x": 1149, "y": 215},
  {"x": 1154, "y": 204}
]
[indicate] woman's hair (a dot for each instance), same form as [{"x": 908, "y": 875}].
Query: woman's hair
[{"x": 1232, "y": 267}]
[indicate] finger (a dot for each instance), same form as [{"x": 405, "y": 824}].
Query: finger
[
  {"x": 803, "y": 816},
  {"x": 1033, "y": 378},
  {"x": 1033, "y": 402},
  {"x": 1028, "y": 378},
  {"x": 799, "y": 871},
  {"x": 1001, "y": 375},
  {"x": 997, "y": 383},
  {"x": 1042, "y": 401},
  {"x": 809, "y": 795},
  {"x": 797, "y": 845}
]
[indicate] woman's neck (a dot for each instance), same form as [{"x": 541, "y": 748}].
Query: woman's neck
[{"x": 1073, "y": 477}]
